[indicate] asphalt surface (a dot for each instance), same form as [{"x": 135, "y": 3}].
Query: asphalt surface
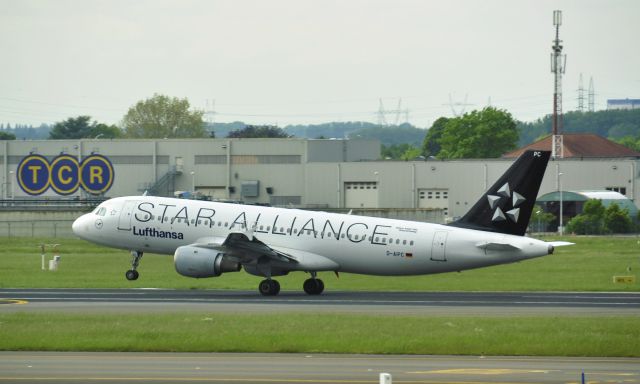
[
  {"x": 462, "y": 303},
  {"x": 61, "y": 367},
  {"x": 54, "y": 367}
]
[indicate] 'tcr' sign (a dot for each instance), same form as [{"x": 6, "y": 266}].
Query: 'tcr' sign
[{"x": 64, "y": 174}]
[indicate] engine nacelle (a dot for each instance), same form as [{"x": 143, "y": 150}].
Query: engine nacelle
[{"x": 202, "y": 262}]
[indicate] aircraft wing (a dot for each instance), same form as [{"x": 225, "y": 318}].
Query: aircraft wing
[
  {"x": 244, "y": 247},
  {"x": 560, "y": 243},
  {"x": 247, "y": 249}
]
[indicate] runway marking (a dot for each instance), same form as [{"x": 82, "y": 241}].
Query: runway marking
[
  {"x": 480, "y": 371},
  {"x": 320, "y": 302},
  {"x": 258, "y": 356},
  {"x": 243, "y": 380},
  {"x": 13, "y": 301}
]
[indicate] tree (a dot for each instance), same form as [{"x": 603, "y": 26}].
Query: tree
[
  {"x": 163, "y": 117},
  {"x": 104, "y": 131},
  {"x": 590, "y": 221},
  {"x": 411, "y": 153},
  {"x": 72, "y": 128},
  {"x": 540, "y": 219},
  {"x": 478, "y": 134},
  {"x": 617, "y": 220},
  {"x": 82, "y": 127},
  {"x": 629, "y": 142},
  {"x": 431, "y": 144},
  {"x": 394, "y": 151},
  {"x": 254, "y": 131},
  {"x": 7, "y": 136}
]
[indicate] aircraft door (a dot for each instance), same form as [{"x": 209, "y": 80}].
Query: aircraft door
[
  {"x": 124, "y": 222},
  {"x": 439, "y": 245}
]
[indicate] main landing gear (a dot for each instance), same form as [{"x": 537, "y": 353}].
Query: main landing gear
[
  {"x": 312, "y": 286},
  {"x": 133, "y": 274},
  {"x": 269, "y": 287}
]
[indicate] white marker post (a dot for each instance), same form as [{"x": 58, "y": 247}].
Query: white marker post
[{"x": 42, "y": 255}]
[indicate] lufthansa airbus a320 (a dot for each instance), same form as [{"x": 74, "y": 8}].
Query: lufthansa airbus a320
[{"x": 208, "y": 239}]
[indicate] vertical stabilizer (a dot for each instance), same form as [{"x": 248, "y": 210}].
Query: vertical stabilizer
[{"x": 506, "y": 207}]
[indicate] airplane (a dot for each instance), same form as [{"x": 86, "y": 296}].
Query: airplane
[{"x": 208, "y": 238}]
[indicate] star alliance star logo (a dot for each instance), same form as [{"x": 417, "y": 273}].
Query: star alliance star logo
[{"x": 516, "y": 199}]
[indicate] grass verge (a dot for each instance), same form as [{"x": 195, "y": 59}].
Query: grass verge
[
  {"x": 322, "y": 333},
  {"x": 587, "y": 266}
]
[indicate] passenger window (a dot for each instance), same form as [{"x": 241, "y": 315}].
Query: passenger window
[
  {"x": 404, "y": 242},
  {"x": 411, "y": 243}
]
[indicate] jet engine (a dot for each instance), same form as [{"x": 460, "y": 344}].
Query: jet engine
[{"x": 202, "y": 262}]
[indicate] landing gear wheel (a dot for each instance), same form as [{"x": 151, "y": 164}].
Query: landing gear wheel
[
  {"x": 269, "y": 287},
  {"x": 132, "y": 274},
  {"x": 313, "y": 286}
]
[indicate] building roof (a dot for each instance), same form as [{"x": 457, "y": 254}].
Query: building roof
[
  {"x": 607, "y": 198},
  {"x": 623, "y": 101},
  {"x": 580, "y": 145}
]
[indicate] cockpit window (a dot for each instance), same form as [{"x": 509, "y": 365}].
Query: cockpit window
[{"x": 101, "y": 211}]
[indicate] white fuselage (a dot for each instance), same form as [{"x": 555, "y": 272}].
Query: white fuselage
[{"x": 356, "y": 244}]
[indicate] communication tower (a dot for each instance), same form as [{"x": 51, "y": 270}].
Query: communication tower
[
  {"x": 396, "y": 113},
  {"x": 581, "y": 95},
  {"x": 210, "y": 113},
  {"x": 558, "y": 65},
  {"x": 592, "y": 96},
  {"x": 463, "y": 105}
]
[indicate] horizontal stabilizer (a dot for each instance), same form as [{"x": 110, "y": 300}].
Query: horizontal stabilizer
[
  {"x": 560, "y": 243},
  {"x": 495, "y": 246}
]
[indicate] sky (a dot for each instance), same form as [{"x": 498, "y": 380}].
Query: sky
[{"x": 310, "y": 61}]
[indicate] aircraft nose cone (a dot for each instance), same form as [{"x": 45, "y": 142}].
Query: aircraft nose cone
[{"x": 78, "y": 227}]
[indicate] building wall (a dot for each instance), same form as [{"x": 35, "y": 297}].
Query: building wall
[{"x": 304, "y": 173}]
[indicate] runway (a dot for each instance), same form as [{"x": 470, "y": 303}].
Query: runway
[
  {"x": 54, "y": 367},
  {"x": 451, "y": 303}
]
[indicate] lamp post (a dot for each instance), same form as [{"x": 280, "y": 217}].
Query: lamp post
[
  {"x": 538, "y": 214},
  {"x": 193, "y": 181},
  {"x": 13, "y": 194},
  {"x": 560, "y": 187}
]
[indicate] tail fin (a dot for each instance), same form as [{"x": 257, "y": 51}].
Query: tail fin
[{"x": 506, "y": 207}]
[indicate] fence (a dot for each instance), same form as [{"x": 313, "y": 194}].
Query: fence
[{"x": 36, "y": 228}]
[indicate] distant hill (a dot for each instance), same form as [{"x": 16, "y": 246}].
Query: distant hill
[
  {"x": 612, "y": 124},
  {"x": 27, "y": 132},
  {"x": 401, "y": 134}
]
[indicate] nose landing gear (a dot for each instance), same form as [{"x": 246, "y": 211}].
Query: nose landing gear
[{"x": 133, "y": 274}]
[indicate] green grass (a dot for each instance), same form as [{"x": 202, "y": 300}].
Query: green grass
[
  {"x": 587, "y": 266},
  {"x": 322, "y": 333}
]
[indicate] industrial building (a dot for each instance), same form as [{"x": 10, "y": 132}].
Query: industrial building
[{"x": 314, "y": 174}]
